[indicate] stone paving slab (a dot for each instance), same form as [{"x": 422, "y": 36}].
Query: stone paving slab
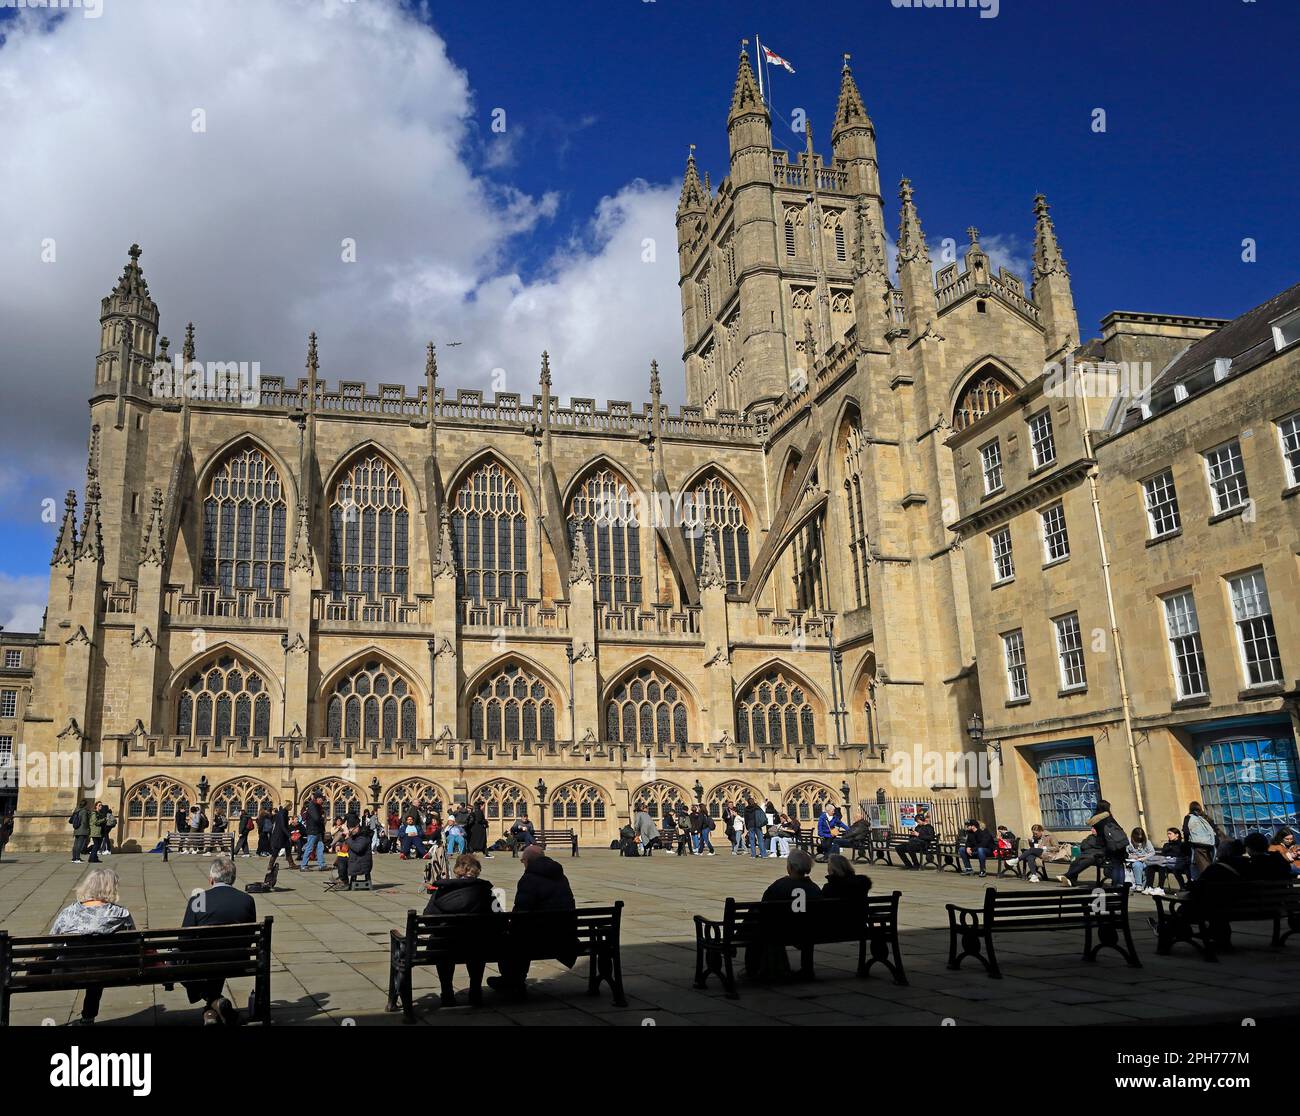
[{"x": 330, "y": 954}]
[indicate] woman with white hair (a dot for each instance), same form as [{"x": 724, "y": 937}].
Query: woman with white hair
[{"x": 96, "y": 911}]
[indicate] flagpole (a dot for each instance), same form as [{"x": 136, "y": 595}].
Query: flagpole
[{"x": 758, "y": 47}]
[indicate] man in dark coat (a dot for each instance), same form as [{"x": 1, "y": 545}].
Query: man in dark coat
[
  {"x": 221, "y": 905},
  {"x": 910, "y": 850},
  {"x": 543, "y": 888},
  {"x": 314, "y": 822},
  {"x": 281, "y": 838},
  {"x": 477, "y": 830},
  {"x": 980, "y": 843}
]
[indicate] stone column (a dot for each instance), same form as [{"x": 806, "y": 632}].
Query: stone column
[
  {"x": 445, "y": 657},
  {"x": 717, "y": 721}
]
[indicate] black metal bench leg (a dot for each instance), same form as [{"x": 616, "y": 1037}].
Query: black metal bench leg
[{"x": 728, "y": 975}]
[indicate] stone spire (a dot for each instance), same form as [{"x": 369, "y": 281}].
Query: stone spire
[
  {"x": 128, "y": 321},
  {"x": 869, "y": 250},
  {"x": 745, "y": 97},
  {"x": 153, "y": 548},
  {"x": 91, "y": 546},
  {"x": 871, "y": 286},
  {"x": 692, "y": 200},
  {"x": 580, "y": 567},
  {"x": 911, "y": 238},
  {"x": 445, "y": 565},
  {"x": 1051, "y": 289},
  {"x": 65, "y": 547},
  {"x": 313, "y": 367},
  {"x": 711, "y": 575},
  {"x": 850, "y": 112},
  {"x": 187, "y": 349},
  {"x": 1047, "y": 252}
]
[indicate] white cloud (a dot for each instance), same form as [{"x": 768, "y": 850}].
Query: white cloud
[
  {"x": 324, "y": 120},
  {"x": 22, "y": 602}
]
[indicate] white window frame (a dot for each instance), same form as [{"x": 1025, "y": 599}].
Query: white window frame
[
  {"x": 1004, "y": 562},
  {"x": 1186, "y": 650},
  {"x": 1017, "y": 669},
  {"x": 8, "y": 704},
  {"x": 1226, "y": 483},
  {"x": 1060, "y": 532},
  {"x": 1042, "y": 438},
  {"x": 1069, "y": 652},
  {"x": 991, "y": 467},
  {"x": 1161, "y": 511},
  {"x": 13, "y": 658},
  {"x": 1288, "y": 434},
  {"x": 1252, "y": 616},
  {"x": 1286, "y": 330},
  {"x": 6, "y": 750}
]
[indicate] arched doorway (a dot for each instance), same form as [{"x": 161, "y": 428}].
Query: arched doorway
[{"x": 582, "y": 807}]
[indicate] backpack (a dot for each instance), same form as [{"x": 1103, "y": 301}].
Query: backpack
[
  {"x": 627, "y": 833},
  {"x": 1199, "y": 830},
  {"x": 75, "y": 818},
  {"x": 1112, "y": 833}
]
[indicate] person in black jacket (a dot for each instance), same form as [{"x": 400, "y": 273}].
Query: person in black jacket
[
  {"x": 478, "y": 830},
  {"x": 361, "y": 857},
  {"x": 544, "y": 888},
  {"x": 910, "y": 850},
  {"x": 281, "y": 837},
  {"x": 220, "y": 905},
  {"x": 1171, "y": 860},
  {"x": 314, "y": 823},
  {"x": 980, "y": 843},
  {"x": 464, "y": 893}
]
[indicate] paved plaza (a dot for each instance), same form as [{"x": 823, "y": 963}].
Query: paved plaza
[{"x": 331, "y": 960}]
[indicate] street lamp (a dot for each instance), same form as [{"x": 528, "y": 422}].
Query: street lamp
[
  {"x": 975, "y": 730},
  {"x": 374, "y": 793},
  {"x": 699, "y": 792},
  {"x": 203, "y": 788},
  {"x": 845, "y": 791},
  {"x": 541, "y": 805}
]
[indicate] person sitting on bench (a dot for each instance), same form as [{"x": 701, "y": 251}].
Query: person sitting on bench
[
  {"x": 1172, "y": 859},
  {"x": 860, "y": 830},
  {"x": 767, "y": 959},
  {"x": 1284, "y": 844},
  {"x": 96, "y": 911},
  {"x": 220, "y": 905},
  {"x": 979, "y": 842},
  {"x": 1038, "y": 849},
  {"x": 909, "y": 851}
]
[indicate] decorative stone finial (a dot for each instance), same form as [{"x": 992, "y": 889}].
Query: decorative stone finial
[
  {"x": 580, "y": 568},
  {"x": 153, "y": 549},
  {"x": 65, "y": 546},
  {"x": 711, "y": 574},
  {"x": 445, "y": 566}
]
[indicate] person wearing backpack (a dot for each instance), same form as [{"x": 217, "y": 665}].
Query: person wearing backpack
[
  {"x": 1202, "y": 837},
  {"x": 1105, "y": 846},
  {"x": 80, "y": 822}
]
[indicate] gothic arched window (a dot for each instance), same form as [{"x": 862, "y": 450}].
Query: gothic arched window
[
  {"x": 855, "y": 510},
  {"x": 414, "y": 793},
  {"x": 372, "y": 703},
  {"x": 603, "y": 510},
  {"x": 341, "y": 798},
  {"x": 502, "y": 800},
  {"x": 225, "y": 698},
  {"x": 578, "y": 802},
  {"x": 646, "y": 708},
  {"x": 242, "y": 794},
  {"x": 712, "y": 507},
  {"x": 774, "y": 712},
  {"x": 659, "y": 796},
  {"x": 490, "y": 533},
  {"x": 244, "y": 515},
  {"x": 512, "y": 705},
  {"x": 984, "y": 392},
  {"x": 369, "y": 531},
  {"x": 805, "y": 802}
]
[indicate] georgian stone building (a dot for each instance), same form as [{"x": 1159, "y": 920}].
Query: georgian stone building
[{"x": 398, "y": 595}]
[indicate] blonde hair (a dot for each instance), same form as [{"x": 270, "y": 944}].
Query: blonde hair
[
  {"x": 99, "y": 884},
  {"x": 467, "y": 864}
]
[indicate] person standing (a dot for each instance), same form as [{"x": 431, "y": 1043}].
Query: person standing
[
  {"x": 221, "y": 905},
  {"x": 314, "y": 825},
  {"x": 281, "y": 836},
  {"x": 729, "y": 824},
  {"x": 96, "y": 911},
  {"x": 755, "y": 823},
  {"x": 703, "y": 841},
  {"x": 243, "y": 827},
  {"x": 80, "y": 822},
  {"x": 1202, "y": 836},
  {"x": 478, "y": 830},
  {"x": 265, "y": 826},
  {"x": 646, "y": 829},
  {"x": 95, "y": 835}
]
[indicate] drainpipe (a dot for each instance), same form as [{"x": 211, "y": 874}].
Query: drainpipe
[{"x": 1126, "y": 701}]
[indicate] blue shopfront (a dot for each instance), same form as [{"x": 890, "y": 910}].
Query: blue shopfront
[
  {"x": 1247, "y": 771},
  {"x": 1068, "y": 788}
]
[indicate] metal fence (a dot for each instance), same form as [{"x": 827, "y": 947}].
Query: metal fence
[{"x": 948, "y": 813}]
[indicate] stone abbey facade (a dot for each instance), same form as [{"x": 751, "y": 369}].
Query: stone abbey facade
[{"x": 402, "y": 595}]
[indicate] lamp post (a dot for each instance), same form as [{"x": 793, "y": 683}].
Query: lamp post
[
  {"x": 541, "y": 805},
  {"x": 845, "y": 791},
  {"x": 203, "y": 788},
  {"x": 699, "y": 792},
  {"x": 374, "y": 794}
]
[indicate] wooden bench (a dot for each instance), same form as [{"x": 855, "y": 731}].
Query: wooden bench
[
  {"x": 1103, "y": 912},
  {"x": 138, "y": 958},
  {"x": 1203, "y": 917},
  {"x": 872, "y": 922},
  {"x": 862, "y": 849},
  {"x": 481, "y": 939},
  {"x": 206, "y": 843},
  {"x": 546, "y": 837}
]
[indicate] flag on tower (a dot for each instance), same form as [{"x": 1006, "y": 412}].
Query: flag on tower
[{"x": 774, "y": 59}]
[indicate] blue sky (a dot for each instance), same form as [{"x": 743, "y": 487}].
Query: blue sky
[{"x": 350, "y": 116}]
